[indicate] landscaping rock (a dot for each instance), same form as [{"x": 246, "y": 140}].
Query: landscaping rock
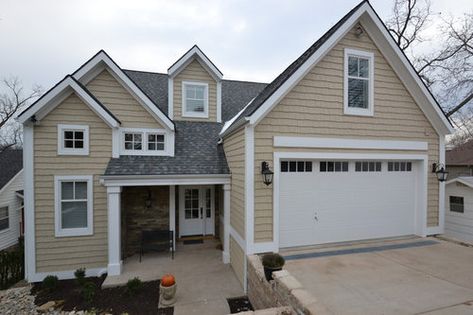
[{"x": 46, "y": 307}]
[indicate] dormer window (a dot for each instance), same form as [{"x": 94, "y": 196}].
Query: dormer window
[
  {"x": 195, "y": 99},
  {"x": 359, "y": 70},
  {"x": 142, "y": 141}
]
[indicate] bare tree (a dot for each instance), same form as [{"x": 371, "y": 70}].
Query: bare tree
[
  {"x": 448, "y": 68},
  {"x": 13, "y": 98}
]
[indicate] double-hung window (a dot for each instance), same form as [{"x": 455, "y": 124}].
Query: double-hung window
[
  {"x": 195, "y": 101},
  {"x": 73, "y": 205},
  {"x": 4, "y": 218},
  {"x": 73, "y": 139},
  {"x": 358, "y": 90}
]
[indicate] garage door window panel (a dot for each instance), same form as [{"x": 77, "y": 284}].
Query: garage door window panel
[
  {"x": 333, "y": 166},
  {"x": 296, "y": 166}
]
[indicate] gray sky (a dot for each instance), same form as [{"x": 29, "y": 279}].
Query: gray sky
[{"x": 42, "y": 41}]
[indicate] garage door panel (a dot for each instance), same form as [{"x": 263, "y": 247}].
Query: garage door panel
[{"x": 317, "y": 207}]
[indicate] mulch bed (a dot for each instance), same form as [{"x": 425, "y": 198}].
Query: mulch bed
[
  {"x": 239, "y": 304},
  {"x": 112, "y": 300}
]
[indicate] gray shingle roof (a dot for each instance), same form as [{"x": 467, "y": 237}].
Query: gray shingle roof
[
  {"x": 11, "y": 162},
  {"x": 235, "y": 94},
  {"x": 196, "y": 152}
]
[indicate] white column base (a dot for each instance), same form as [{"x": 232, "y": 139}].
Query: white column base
[
  {"x": 114, "y": 269},
  {"x": 226, "y": 257}
]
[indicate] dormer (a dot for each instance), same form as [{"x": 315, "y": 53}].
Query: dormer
[{"x": 195, "y": 88}]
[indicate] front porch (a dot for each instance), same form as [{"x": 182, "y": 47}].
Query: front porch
[
  {"x": 203, "y": 281},
  {"x": 194, "y": 206}
]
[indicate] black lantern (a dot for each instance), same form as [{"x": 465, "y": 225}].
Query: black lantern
[
  {"x": 267, "y": 173},
  {"x": 439, "y": 170},
  {"x": 148, "y": 200}
]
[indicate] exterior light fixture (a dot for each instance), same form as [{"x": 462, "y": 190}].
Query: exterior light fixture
[
  {"x": 148, "y": 200},
  {"x": 267, "y": 173},
  {"x": 439, "y": 170}
]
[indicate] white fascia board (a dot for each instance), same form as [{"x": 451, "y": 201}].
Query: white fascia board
[
  {"x": 164, "y": 180},
  {"x": 459, "y": 180},
  {"x": 195, "y": 52},
  {"x": 304, "y": 69},
  {"x": 403, "y": 68},
  {"x": 342, "y": 143},
  {"x": 97, "y": 62},
  {"x": 371, "y": 22},
  {"x": 55, "y": 96}
]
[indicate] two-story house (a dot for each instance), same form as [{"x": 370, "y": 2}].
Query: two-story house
[{"x": 339, "y": 147}]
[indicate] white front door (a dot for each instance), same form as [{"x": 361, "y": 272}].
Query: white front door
[{"x": 196, "y": 210}]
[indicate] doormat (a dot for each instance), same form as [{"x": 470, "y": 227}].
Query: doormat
[
  {"x": 166, "y": 311},
  {"x": 360, "y": 250},
  {"x": 239, "y": 304},
  {"x": 189, "y": 242}
]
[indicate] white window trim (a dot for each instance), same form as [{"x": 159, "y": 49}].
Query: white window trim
[
  {"x": 61, "y": 150},
  {"x": 358, "y": 111},
  {"x": 59, "y": 231},
  {"x": 6, "y": 205},
  {"x": 168, "y": 142},
  {"x": 185, "y": 113}
]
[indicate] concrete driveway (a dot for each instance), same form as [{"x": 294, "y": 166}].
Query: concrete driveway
[{"x": 432, "y": 278}]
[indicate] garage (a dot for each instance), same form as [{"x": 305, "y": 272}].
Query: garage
[{"x": 327, "y": 201}]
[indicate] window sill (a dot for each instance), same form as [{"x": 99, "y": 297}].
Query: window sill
[
  {"x": 82, "y": 153},
  {"x": 73, "y": 232},
  {"x": 192, "y": 115},
  {"x": 358, "y": 112}
]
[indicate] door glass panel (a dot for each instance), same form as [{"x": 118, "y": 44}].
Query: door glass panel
[
  {"x": 208, "y": 203},
  {"x": 191, "y": 203}
]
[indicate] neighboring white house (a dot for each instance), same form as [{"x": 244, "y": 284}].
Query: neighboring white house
[
  {"x": 459, "y": 209},
  {"x": 11, "y": 197}
]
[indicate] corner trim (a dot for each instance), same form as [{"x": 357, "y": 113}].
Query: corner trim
[
  {"x": 249, "y": 187},
  {"x": 342, "y": 143},
  {"x": 28, "y": 166}
]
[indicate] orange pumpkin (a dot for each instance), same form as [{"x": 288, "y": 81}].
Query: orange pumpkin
[{"x": 168, "y": 280}]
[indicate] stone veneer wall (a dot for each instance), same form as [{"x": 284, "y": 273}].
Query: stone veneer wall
[
  {"x": 136, "y": 217},
  {"x": 284, "y": 290}
]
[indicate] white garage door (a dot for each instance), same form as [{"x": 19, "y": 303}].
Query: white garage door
[{"x": 336, "y": 201}]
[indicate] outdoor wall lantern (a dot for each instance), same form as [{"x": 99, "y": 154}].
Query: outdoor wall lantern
[
  {"x": 148, "y": 200},
  {"x": 439, "y": 170},
  {"x": 267, "y": 173}
]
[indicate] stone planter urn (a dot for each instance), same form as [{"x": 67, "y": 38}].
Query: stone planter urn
[{"x": 167, "y": 291}]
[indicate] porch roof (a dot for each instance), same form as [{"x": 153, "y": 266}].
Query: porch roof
[{"x": 196, "y": 153}]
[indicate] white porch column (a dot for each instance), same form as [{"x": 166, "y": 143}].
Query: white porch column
[
  {"x": 172, "y": 212},
  {"x": 114, "y": 231},
  {"x": 226, "y": 223}
]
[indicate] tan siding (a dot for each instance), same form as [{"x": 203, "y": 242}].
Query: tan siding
[
  {"x": 120, "y": 102},
  {"x": 237, "y": 260},
  {"x": 69, "y": 253},
  {"x": 315, "y": 108},
  {"x": 235, "y": 152},
  {"x": 195, "y": 72}
]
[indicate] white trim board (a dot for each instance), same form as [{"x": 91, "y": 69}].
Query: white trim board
[
  {"x": 29, "y": 202},
  {"x": 58, "y": 94},
  {"x": 249, "y": 188},
  {"x": 422, "y": 179},
  {"x": 460, "y": 180},
  {"x": 20, "y": 173},
  {"x": 188, "y": 57},
  {"x": 343, "y": 143},
  {"x": 366, "y": 16},
  {"x": 164, "y": 180}
]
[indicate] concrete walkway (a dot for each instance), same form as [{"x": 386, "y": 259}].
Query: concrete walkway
[
  {"x": 435, "y": 279},
  {"x": 203, "y": 281}
]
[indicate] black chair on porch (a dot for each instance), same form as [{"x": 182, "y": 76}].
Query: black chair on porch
[{"x": 157, "y": 240}]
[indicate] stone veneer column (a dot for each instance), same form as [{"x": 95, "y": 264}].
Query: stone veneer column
[
  {"x": 114, "y": 234},
  {"x": 226, "y": 223}
]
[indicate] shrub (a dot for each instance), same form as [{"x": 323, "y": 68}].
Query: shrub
[
  {"x": 50, "y": 282},
  {"x": 134, "y": 285},
  {"x": 88, "y": 292},
  {"x": 80, "y": 276},
  {"x": 12, "y": 264},
  {"x": 273, "y": 261}
]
